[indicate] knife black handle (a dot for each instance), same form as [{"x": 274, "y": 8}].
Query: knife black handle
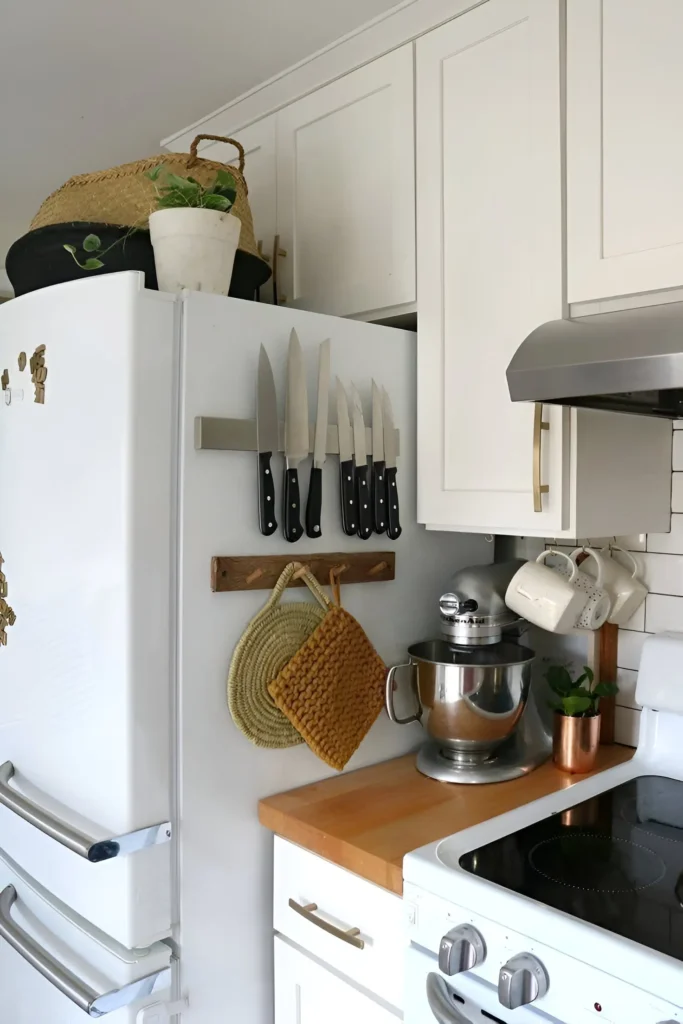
[
  {"x": 347, "y": 492},
  {"x": 363, "y": 502},
  {"x": 393, "y": 521},
  {"x": 291, "y": 512},
  {"x": 266, "y": 495},
  {"x": 314, "y": 503},
  {"x": 379, "y": 505}
]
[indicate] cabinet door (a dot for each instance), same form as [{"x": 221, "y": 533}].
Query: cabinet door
[
  {"x": 346, "y": 191},
  {"x": 624, "y": 147},
  {"x": 489, "y": 263},
  {"x": 307, "y": 993},
  {"x": 258, "y": 140}
]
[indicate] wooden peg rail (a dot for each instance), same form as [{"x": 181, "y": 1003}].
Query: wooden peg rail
[{"x": 261, "y": 572}]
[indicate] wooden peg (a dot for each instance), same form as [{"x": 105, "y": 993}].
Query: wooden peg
[
  {"x": 300, "y": 572},
  {"x": 380, "y": 567},
  {"x": 253, "y": 576}
]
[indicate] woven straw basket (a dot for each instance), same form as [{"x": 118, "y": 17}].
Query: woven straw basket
[{"x": 124, "y": 196}]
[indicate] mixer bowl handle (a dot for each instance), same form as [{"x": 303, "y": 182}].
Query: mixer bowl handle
[{"x": 389, "y": 697}]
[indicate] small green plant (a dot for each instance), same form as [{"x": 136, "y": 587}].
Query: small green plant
[
  {"x": 577, "y": 698},
  {"x": 175, "y": 191},
  {"x": 91, "y": 243}
]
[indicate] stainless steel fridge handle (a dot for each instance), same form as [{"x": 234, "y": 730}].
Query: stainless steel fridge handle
[
  {"x": 94, "y": 850},
  {"x": 441, "y": 1002},
  {"x": 95, "y": 1004}
]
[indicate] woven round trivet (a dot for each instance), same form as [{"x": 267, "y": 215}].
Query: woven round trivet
[{"x": 271, "y": 640}]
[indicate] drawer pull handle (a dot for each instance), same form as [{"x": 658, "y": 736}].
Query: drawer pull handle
[
  {"x": 350, "y": 935},
  {"x": 539, "y": 425},
  {"x": 92, "y": 1002},
  {"x": 94, "y": 850}
]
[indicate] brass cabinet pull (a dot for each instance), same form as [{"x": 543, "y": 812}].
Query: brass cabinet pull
[
  {"x": 278, "y": 253},
  {"x": 350, "y": 935},
  {"x": 539, "y": 425}
]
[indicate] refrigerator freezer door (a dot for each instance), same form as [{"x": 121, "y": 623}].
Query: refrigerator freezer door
[
  {"x": 55, "y": 967},
  {"x": 86, "y": 477}
]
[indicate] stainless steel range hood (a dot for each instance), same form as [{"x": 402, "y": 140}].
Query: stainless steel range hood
[{"x": 630, "y": 361}]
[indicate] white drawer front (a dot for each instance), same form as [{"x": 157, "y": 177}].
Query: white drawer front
[
  {"x": 344, "y": 901},
  {"x": 98, "y": 970}
]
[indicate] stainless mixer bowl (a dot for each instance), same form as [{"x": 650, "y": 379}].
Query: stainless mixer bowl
[{"x": 469, "y": 699}]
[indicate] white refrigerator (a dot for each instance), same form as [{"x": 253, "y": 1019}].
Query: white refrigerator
[{"x": 134, "y": 878}]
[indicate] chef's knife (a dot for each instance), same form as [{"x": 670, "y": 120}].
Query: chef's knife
[
  {"x": 347, "y": 466},
  {"x": 315, "y": 487},
  {"x": 267, "y": 442},
  {"x": 379, "y": 521},
  {"x": 363, "y": 499},
  {"x": 296, "y": 438},
  {"x": 393, "y": 521}
]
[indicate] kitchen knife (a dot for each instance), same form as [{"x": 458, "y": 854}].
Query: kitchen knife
[
  {"x": 347, "y": 466},
  {"x": 363, "y": 498},
  {"x": 296, "y": 438},
  {"x": 315, "y": 487},
  {"x": 267, "y": 442},
  {"x": 379, "y": 522},
  {"x": 391, "y": 490}
]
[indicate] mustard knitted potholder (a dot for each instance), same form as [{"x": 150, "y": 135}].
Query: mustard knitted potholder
[{"x": 333, "y": 688}]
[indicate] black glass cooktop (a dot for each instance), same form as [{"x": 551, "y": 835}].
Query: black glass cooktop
[{"x": 615, "y": 860}]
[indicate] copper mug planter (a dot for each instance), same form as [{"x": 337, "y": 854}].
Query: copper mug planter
[{"x": 575, "y": 742}]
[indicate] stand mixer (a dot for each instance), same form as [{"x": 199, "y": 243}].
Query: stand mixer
[{"x": 472, "y": 688}]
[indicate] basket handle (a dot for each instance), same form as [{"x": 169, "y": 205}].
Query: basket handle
[
  {"x": 216, "y": 138},
  {"x": 308, "y": 578}
]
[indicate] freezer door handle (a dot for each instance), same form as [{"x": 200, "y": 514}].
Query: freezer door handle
[
  {"x": 94, "y": 850},
  {"x": 95, "y": 1004}
]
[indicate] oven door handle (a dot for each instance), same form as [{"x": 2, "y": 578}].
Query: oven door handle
[{"x": 440, "y": 1002}]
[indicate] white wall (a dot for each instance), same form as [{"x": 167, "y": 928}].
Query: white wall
[{"x": 226, "y": 944}]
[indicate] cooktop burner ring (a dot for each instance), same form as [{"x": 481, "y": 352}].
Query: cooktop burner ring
[{"x": 646, "y": 867}]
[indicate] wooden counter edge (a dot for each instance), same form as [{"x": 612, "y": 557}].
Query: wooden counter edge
[{"x": 355, "y": 856}]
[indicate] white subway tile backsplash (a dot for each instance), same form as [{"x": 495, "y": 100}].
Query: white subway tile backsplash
[
  {"x": 626, "y": 681},
  {"x": 668, "y": 543},
  {"x": 626, "y": 725},
  {"x": 677, "y": 456},
  {"x": 629, "y": 648},
  {"x": 677, "y": 492},
  {"x": 678, "y": 424},
  {"x": 663, "y": 613},
  {"x": 662, "y": 574}
]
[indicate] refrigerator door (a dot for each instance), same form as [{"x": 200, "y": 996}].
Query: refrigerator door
[
  {"x": 86, "y": 475},
  {"x": 56, "y": 967}
]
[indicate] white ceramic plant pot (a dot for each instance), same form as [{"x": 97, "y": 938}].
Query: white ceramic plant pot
[{"x": 194, "y": 249}]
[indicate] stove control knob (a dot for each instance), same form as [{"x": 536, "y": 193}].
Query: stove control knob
[
  {"x": 521, "y": 980},
  {"x": 460, "y": 950}
]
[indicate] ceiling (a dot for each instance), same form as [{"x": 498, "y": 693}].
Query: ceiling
[{"x": 87, "y": 84}]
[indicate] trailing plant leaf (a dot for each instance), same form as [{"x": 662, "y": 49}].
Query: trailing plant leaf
[
  {"x": 92, "y": 264},
  {"x": 575, "y": 705},
  {"x": 155, "y": 172},
  {"x": 224, "y": 179},
  {"x": 606, "y": 690},
  {"x": 559, "y": 680},
  {"x": 214, "y": 202},
  {"x": 91, "y": 243},
  {"x": 175, "y": 191},
  {"x": 70, "y": 248}
]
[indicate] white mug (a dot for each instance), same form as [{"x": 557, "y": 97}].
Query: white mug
[
  {"x": 598, "y": 604},
  {"x": 544, "y": 596},
  {"x": 626, "y": 592}
]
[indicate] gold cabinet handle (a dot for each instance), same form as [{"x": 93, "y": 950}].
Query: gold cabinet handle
[
  {"x": 278, "y": 253},
  {"x": 539, "y": 425},
  {"x": 350, "y": 935}
]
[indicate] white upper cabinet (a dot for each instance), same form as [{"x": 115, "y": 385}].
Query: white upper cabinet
[
  {"x": 489, "y": 263},
  {"x": 346, "y": 191},
  {"x": 258, "y": 140},
  {"x": 624, "y": 147}
]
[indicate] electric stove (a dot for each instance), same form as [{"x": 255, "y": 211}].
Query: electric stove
[{"x": 570, "y": 908}]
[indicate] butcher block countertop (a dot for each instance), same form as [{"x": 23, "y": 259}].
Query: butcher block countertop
[{"x": 369, "y": 819}]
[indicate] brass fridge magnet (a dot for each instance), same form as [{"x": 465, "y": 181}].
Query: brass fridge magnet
[
  {"x": 22, "y": 361},
  {"x": 4, "y": 380},
  {"x": 7, "y": 615},
  {"x": 39, "y": 374}
]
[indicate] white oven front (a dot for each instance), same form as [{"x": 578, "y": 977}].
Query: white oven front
[{"x": 432, "y": 998}]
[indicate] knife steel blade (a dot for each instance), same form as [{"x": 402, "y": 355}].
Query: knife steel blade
[
  {"x": 347, "y": 468},
  {"x": 363, "y": 498},
  {"x": 296, "y": 437},
  {"x": 391, "y": 488},
  {"x": 379, "y": 521},
  {"x": 266, "y": 442},
  {"x": 315, "y": 487}
]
